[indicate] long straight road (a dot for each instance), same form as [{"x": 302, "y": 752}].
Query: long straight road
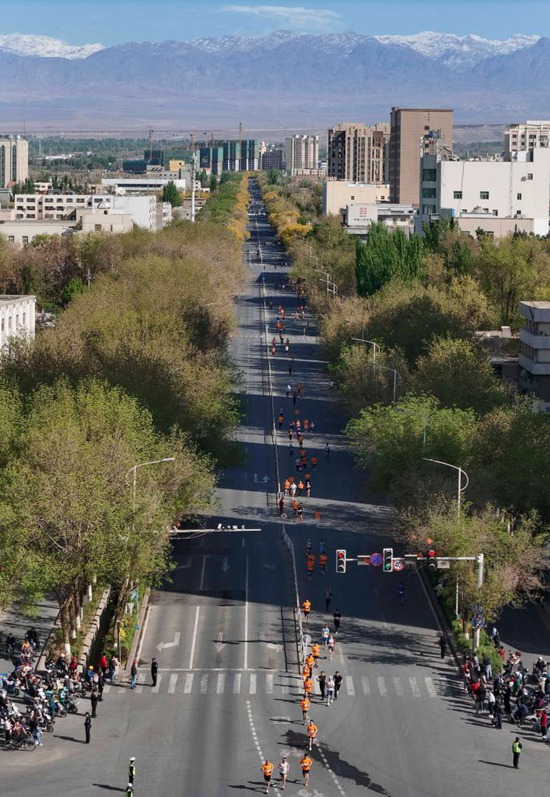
[{"x": 224, "y": 634}]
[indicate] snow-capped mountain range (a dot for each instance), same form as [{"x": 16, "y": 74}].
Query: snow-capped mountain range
[
  {"x": 456, "y": 52},
  {"x": 297, "y": 81}
]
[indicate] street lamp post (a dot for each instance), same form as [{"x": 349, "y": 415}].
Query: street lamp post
[
  {"x": 460, "y": 472},
  {"x": 374, "y": 347},
  {"x": 134, "y": 470},
  {"x": 396, "y": 376},
  {"x": 425, "y": 419}
]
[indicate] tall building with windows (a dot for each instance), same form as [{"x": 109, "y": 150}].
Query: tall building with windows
[
  {"x": 301, "y": 152},
  {"x": 410, "y": 130},
  {"x": 14, "y": 160},
  {"x": 357, "y": 152},
  {"x": 520, "y": 137}
]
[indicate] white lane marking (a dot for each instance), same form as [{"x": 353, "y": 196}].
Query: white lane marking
[
  {"x": 197, "y": 613},
  {"x": 204, "y": 684},
  {"x": 430, "y": 686},
  {"x": 365, "y": 684},
  {"x": 172, "y": 684},
  {"x": 252, "y": 683},
  {"x": 237, "y": 684},
  {"x": 414, "y": 686},
  {"x": 331, "y": 773},
  {"x": 188, "y": 683},
  {"x": 246, "y": 618},
  {"x": 106, "y": 689},
  {"x": 216, "y": 669},
  {"x": 221, "y": 683},
  {"x": 269, "y": 683},
  {"x": 257, "y": 743},
  {"x": 142, "y": 634},
  {"x": 156, "y": 688},
  {"x": 340, "y": 652},
  {"x": 140, "y": 681},
  {"x": 382, "y": 686},
  {"x": 398, "y": 687},
  {"x": 349, "y": 685}
]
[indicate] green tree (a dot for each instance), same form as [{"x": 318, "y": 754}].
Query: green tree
[
  {"x": 213, "y": 182},
  {"x": 385, "y": 255},
  {"x": 458, "y": 374},
  {"x": 171, "y": 194}
]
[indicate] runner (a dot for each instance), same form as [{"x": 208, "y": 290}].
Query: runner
[
  {"x": 306, "y": 764},
  {"x": 284, "y": 768},
  {"x": 331, "y": 646},
  {"x": 305, "y": 703},
  {"x": 312, "y": 732},
  {"x": 308, "y": 687},
  {"x": 323, "y": 562},
  {"x": 311, "y": 557},
  {"x": 401, "y": 593},
  {"x": 306, "y": 607},
  {"x": 330, "y": 690},
  {"x": 325, "y": 633},
  {"x": 267, "y": 769},
  {"x": 316, "y": 651}
]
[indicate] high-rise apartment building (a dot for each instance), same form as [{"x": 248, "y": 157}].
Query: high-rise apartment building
[
  {"x": 524, "y": 136},
  {"x": 410, "y": 130},
  {"x": 357, "y": 153},
  {"x": 301, "y": 152},
  {"x": 14, "y": 160}
]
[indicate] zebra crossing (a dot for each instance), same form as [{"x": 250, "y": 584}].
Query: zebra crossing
[{"x": 274, "y": 682}]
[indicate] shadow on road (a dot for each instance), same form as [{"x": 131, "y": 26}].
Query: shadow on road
[
  {"x": 108, "y": 787},
  {"x": 495, "y": 764},
  {"x": 70, "y": 739}
]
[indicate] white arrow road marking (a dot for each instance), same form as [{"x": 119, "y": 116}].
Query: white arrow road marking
[
  {"x": 270, "y": 645},
  {"x": 220, "y": 644},
  {"x": 162, "y": 645},
  {"x": 225, "y": 565}
]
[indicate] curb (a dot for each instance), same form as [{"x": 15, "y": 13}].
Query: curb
[
  {"x": 91, "y": 635},
  {"x": 137, "y": 635},
  {"x": 442, "y": 620}
]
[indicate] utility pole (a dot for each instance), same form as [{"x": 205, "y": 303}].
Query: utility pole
[{"x": 480, "y": 562}]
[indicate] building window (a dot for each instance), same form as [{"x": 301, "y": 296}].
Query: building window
[
  {"x": 529, "y": 176},
  {"x": 25, "y": 240},
  {"x": 428, "y": 193},
  {"x": 457, "y": 194},
  {"x": 11, "y": 239},
  {"x": 518, "y": 196},
  {"x": 495, "y": 212},
  {"x": 429, "y": 175},
  {"x": 428, "y": 210},
  {"x": 484, "y": 195}
]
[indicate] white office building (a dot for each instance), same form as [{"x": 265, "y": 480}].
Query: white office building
[
  {"x": 493, "y": 195},
  {"x": 524, "y": 136},
  {"x": 14, "y": 160},
  {"x": 17, "y": 317}
]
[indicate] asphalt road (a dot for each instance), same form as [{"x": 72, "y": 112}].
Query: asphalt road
[{"x": 224, "y": 635}]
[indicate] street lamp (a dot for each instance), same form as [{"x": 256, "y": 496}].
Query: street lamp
[
  {"x": 396, "y": 376},
  {"x": 134, "y": 470},
  {"x": 425, "y": 419},
  {"x": 374, "y": 347},
  {"x": 460, "y": 472}
]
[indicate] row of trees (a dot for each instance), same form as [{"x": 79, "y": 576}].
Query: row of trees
[
  {"x": 135, "y": 371},
  {"x": 417, "y": 304}
]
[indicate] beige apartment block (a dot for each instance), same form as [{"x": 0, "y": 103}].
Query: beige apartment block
[
  {"x": 338, "y": 194},
  {"x": 526, "y": 135},
  {"x": 301, "y": 153},
  {"x": 357, "y": 152},
  {"x": 410, "y": 133}
]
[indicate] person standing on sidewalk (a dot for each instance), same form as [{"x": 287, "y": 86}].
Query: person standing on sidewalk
[
  {"x": 154, "y": 670},
  {"x": 516, "y": 751},
  {"x": 129, "y": 791},
  {"x": 133, "y": 674},
  {"x": 88, "y": 727},
  {"x": 100, "y": 685},
  {"x": 442, "y": 645},
  {"x": 132, "y": 771}
]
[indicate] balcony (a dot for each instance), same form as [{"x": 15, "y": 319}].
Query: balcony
[
  {"x": 536, "y": 369},
  {"x": 534, "y": 341}
]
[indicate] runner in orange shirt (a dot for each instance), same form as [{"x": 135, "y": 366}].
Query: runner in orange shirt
[
  {"x": 316, "y": 651},
  {"x": 311, "y": 733},
  {"x": 306, "y": 607},
  {"x": 305, "y": 704},
  {"x": 267, "y": 769},
  {"x": 308, "y": 687},
  {"x": 306, "y": 764}
]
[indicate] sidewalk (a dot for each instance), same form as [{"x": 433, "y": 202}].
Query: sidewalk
[{"x": 11, "y": 620}]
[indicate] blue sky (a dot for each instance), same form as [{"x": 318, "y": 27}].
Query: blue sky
[{"x": 115, "y": 21}]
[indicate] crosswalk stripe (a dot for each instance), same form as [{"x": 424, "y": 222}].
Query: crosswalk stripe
[
  {"x": 252, "y": 683},
  {"x": 430, "y": 687},
  {"x": 156, "y": 688},
  {"x": 237, "y": 684},
  {"x": 382, "y": 686},
  {"x": 204, "y": 683},
  {"x": 414, "y": 687},
  {"x": 188, "y": 683},
  {"x": 349, "y": 685},
  {"x": 365, "y": 684},
  {"x": 140, "y": 681},
  {"x": 106, "y": 689},
  {"x": 172, "y": 684},
  {"x": 269, "y": 683},
  {"x": 221, "y": 683},
  {"x": 398, "y": 687}
]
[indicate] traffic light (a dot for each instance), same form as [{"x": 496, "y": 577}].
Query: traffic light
[
  {"x": 432, "y": 560},
  {"x": 341, "y": 560},
  {"x": 387, "y": 560}
]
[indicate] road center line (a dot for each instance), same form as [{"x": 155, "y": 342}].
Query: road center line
[
  {"x": 197, "y": 613},
  {"x": 246, "y": 618}
]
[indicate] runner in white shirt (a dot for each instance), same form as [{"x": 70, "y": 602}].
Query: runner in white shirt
[
  {"x": 326, "y": 633},
  {"x": 330, "y": 690},
  {"x": 331, "y": 645},
  {"x": 284, "y": 768}
]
